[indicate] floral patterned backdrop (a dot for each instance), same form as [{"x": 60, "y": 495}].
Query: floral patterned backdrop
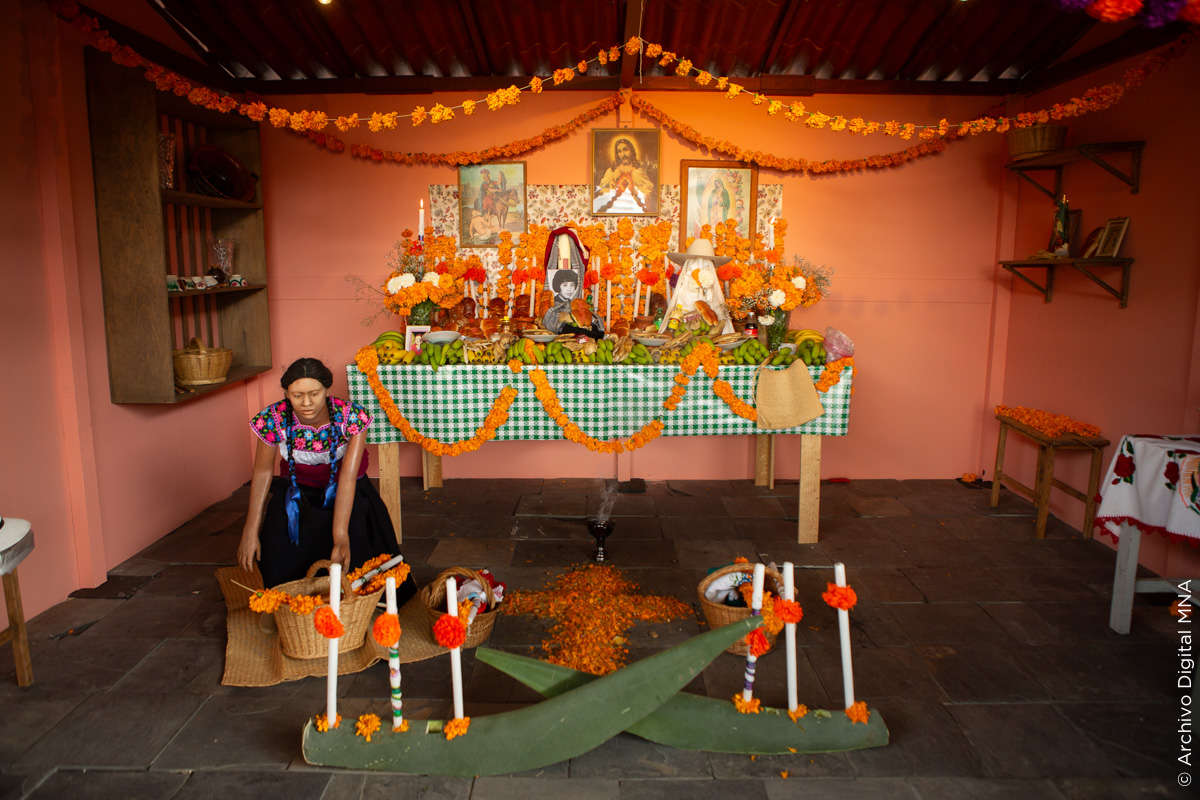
[{"x": 552, "y": 205}]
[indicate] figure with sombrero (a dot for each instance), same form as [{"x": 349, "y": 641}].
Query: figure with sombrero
[{"x": 698, "y": 291}]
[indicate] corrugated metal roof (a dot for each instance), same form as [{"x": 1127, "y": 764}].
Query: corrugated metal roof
[{"x": 792, "y": 46}]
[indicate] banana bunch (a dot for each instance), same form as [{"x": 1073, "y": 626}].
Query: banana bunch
[
  {"x": 638, "y": 354},
  {"x": 783, "y": 357},
  {"x": 556, "y": 353},
  {"x": 390, "y": 348},
  {"x": 439, "y": 355},
  {"x": 751, "y": 351},
  {"x": 526, "y": 351}
]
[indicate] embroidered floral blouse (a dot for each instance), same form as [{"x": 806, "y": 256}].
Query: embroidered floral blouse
[{"x": 312, "y": 445}]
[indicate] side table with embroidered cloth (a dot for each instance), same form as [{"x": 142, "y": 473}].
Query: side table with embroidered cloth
[
  {"x": 16, "y": 542},
  {"x": 1152, "y": 486},
  {"x": 606, "y": 401}
]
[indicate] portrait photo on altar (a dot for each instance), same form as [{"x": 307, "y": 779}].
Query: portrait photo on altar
[
  {"x": 716, "y": 191},
  {"x": 625, "y": 175},
  {"x": 491, "y": 199}
]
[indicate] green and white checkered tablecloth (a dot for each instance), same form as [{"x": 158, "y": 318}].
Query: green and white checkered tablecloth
[{"x": 607, "y": 402}]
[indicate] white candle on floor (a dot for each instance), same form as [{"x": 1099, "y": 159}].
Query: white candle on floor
[
  {"x": 789, "y": 633},
  {"x": 456, "y": 653},
  {"x": 839, "y": 577},
  {"x": 394, "y": 660},
  {"x": 335, "y": 605},
  {"x": 755, "y": 608}
]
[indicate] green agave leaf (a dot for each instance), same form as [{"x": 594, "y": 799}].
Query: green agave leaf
[
  {"x": 692, "y": 722},
  {"x": 554, "y": 730}
]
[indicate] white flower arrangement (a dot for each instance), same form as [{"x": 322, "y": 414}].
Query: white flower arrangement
[
  {"x": 777, "y": 298},
  {"x": 799, "y": 282}
]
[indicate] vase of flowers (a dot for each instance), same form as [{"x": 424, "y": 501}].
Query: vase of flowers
[
  {"x": 775, "y": 324},
  {"x": 422, "y": 313}
]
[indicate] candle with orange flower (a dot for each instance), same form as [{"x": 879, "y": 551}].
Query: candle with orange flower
[
  {"x": 421, "y": 220},
  {"x": 335, "y": 605},
  {"x": 455, "y": 652},
  {"x": 755, "y": 609},
  {"x": 789, "y": 634}
]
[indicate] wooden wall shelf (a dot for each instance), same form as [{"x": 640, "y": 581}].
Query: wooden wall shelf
[
  {"x": 1084, "y": 265},
  {"x": 146, "y": 233},
  {"x": 1095, "y": 152}
]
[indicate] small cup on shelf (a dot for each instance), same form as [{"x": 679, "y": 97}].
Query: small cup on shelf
[
  {"x": 237, "y": 280},
  {"x": 173, "y": 283}
]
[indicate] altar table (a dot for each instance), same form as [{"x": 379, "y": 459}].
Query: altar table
[
  {"x": 1152, "y": 485},
  {"x": 606, "y": 401}
]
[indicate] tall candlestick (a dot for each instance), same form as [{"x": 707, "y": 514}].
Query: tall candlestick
[
  {"x": 608, "y": 305},
  {"x": 532, "y": 287},
  {"x": 649, "y": 289},
  {"x": 637, "y": 296},
  {"x": 394, "y": 660},
  {"x": 564, "y": 252},
  {"x": 839, "y": 577},
  {"x": 755, "y": 610},
  {"x": 789, "y": 633},
  {"x": 456, "y": 653},
  {"x": 335, "y": 605},
  {"x": 421, "y": 220}
]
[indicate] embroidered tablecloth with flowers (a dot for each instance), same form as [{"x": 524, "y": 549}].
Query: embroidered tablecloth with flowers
[{"x": 1153, "y": 482}]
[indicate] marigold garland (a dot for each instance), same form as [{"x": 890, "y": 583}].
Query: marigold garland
[
  {"x": 327, "y": 623},
  {"x": 744, "y": 706},
  {"x": 723, "y": 390},
  {"x": 366, "y": 726},
  {"x": 367, "y": 360},
  {"x": 1049, "y": 423},
  {"x": 858, "y": 713},
  {"x": 548, "y": 397},
  {"x": 449, "y": 632},
  {"x": 756, "y": 641},
  {"x": 456, "y": 727},
  {"x": 832, "y": 374},
  {"x": 840, "y": 597},
  {"x": 386, "y": 630}
]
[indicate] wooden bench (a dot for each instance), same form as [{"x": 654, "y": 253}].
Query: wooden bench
[
  {"x": 1044, "y": 478},
  {"x": 16, "y": 542}
]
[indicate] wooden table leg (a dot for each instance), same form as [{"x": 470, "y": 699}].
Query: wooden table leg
[
  {"x": 389, "y": 483},
  {"x": 16, "y": 628},
  {"x": 1124, "y": 579},
  {"x": 435, "y": 471},
  {"x": 771, "y": 463},
  {"x": 809, "y": 511},
  {"x": 1089, "y": 505},
  {"x": 998, "y": 474},
  {"x": 762, "y": 459},
  {"x": 1045, "y": 479}
]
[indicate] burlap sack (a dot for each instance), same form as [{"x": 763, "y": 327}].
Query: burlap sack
[{"x": 786, "y": 398}]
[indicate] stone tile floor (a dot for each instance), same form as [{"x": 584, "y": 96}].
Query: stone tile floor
[{"x": 987, "y": 652}]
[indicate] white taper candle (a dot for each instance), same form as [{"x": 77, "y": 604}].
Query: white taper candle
[
  {"x": 637, "y": 296},
  {"x": 421, "y": 220},
  {"x": 789, "y": 634},
  {"x": 608, "y": 305},
  {"x": 756, "y": 598},
  {"x": 839, "y": 577},
  {"x": 456, "y": 653},
  {"x": 394, "y": 660},
  {"x": 335, "y": 605}
]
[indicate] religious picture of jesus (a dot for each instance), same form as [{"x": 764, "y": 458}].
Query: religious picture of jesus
[{"x": 625, "y": 179}]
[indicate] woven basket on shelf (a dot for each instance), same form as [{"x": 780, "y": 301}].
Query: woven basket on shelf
[
  {"x": 719, "y": 614},
  {"x": 198, "y": 365},
  {"x": 433, "y": 597},
  {"x": 298, "y": 637},
  {"x": 1035, "y": 140}
]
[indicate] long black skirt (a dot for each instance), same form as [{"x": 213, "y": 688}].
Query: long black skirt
[{"x": 370, "y": 528}]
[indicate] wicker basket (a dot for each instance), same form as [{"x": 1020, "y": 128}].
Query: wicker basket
[
  {"x": 719, "y": 614},
  {"x": 197, "y": 365},
  {"x": 433, "y": 597},
  {"x": 1035, "y": 140},
  {"x": 298, "y": 636}
]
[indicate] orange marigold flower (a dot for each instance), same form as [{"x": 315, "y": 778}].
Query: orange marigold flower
[
  {"x": 841, "y": 597},
  {"x": 858, "y": 713},
  {"x": 756, "y": 640},
  {"x": 456, "y": 727},
  {"x": 788, "y": 610},
  {"x": 743, "y": 706},
  {"x": 796, "y": 715},
  {"x": 386, "y": 630},
  {"x": 366, "y": 726},
  {"x": 633, "y": 45},
  {"x": 449, "y": 632},
  {"x": 322, "y": 724},
  {"x": 327, "y": 623}
]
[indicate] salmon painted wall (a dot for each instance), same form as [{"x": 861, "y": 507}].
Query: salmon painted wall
[
  {"x": 1132, "y": 370},
  {"x": 913, "y": 252}
]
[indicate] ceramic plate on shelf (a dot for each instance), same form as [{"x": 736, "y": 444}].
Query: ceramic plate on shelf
[
  {"x": 441, "y": 337},
  {"x": 651, "y": 341},
  {"x": 540, "y": 338}
]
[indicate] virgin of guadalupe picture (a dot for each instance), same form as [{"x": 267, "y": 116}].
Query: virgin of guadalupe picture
[
  {"x": 566, "y": 265},
  {"x": 625, "y": 172},
  {"x": 716, "y": 191}
]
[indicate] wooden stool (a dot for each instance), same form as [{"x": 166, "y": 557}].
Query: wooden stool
[
  {"x": 1040, "y": 493},
  {"x": 16, "y": 542}
]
